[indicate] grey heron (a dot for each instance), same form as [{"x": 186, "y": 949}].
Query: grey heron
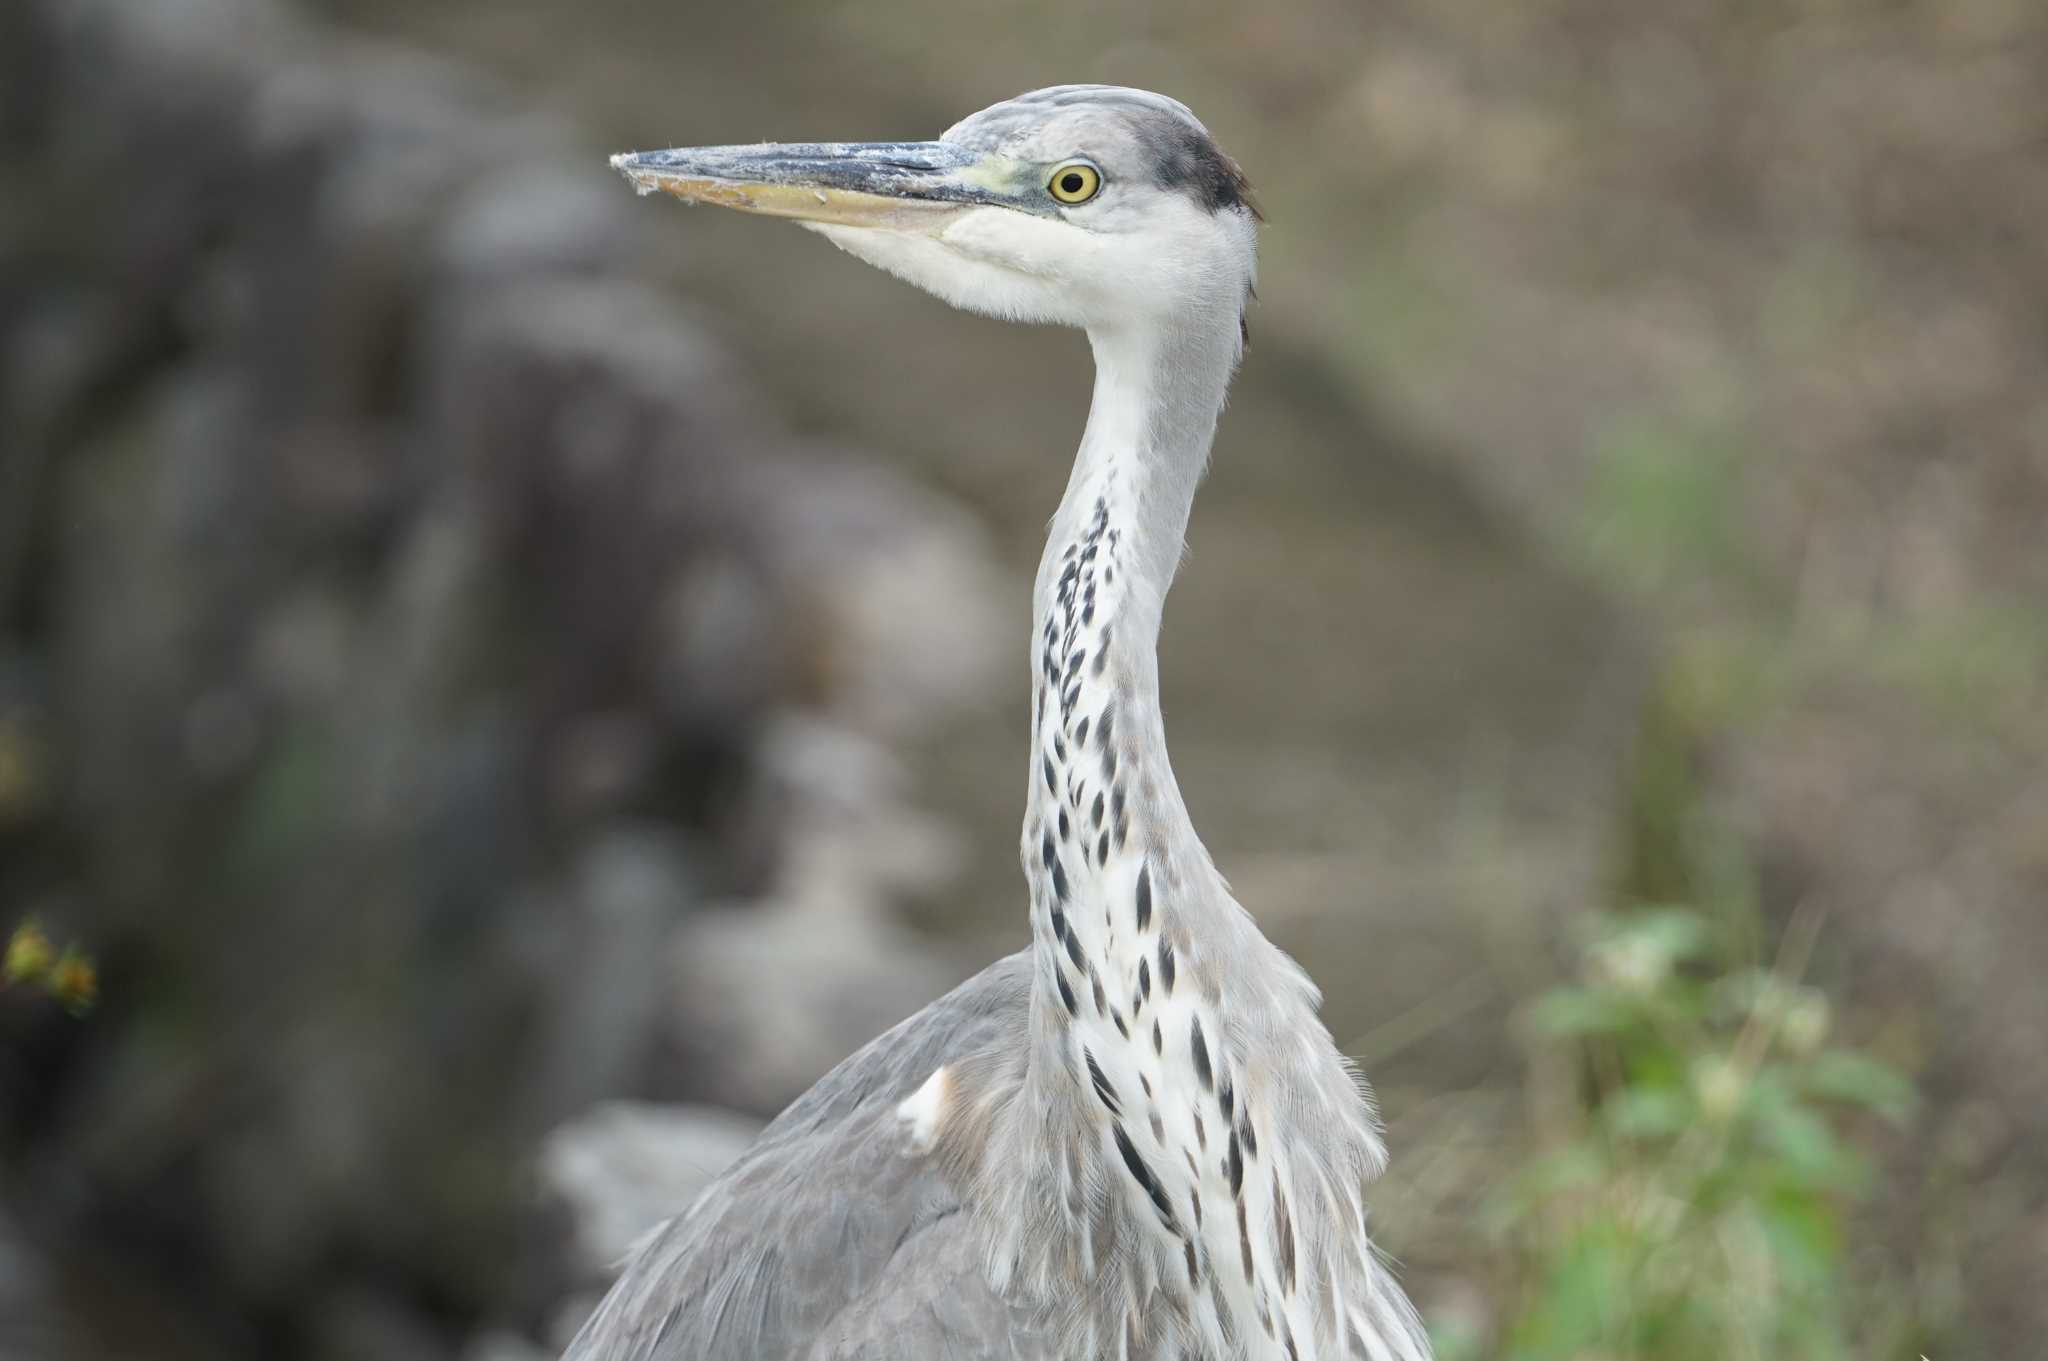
[{"x": 1134, "y": 1138}]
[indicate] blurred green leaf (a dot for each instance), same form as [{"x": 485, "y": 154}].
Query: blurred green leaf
[
  {"x": 1806, "y": 1149},
  {"x": 1584, "y": 1300},
  {"x": 1679, "y": 933},
  {"x": 1803, "y": 1236},
  {"x": 1736, "y": 993},
  {"x": 1648, "y": 1112},
  {"x": 1456, "y": 1340},
  {"x": 1860, "y": 1080},
  {"x": 1574, "y": 1169},
  {"x": 1568, "y": 1011}
]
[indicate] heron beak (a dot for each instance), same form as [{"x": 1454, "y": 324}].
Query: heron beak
[{"x": 905, "y": 186}]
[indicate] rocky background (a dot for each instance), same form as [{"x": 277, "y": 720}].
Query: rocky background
[{"x": 499, "y": 741}]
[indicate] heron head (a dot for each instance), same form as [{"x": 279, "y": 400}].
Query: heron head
[{"x": 1082, "y": 205}]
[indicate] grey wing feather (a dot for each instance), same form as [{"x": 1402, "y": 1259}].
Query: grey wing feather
[
  {"x": 933, "y": 1301},
  {"x": 827, "y": 1234}
]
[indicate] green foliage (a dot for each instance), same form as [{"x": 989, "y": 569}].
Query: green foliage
[{"x": 1690, "y": 1202}]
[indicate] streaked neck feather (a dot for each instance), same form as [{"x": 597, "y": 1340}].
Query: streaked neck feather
[{"x": 1174, "y": 1162}]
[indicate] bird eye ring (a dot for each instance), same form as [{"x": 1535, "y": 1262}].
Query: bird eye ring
[{"x": 1074, "y": 182}]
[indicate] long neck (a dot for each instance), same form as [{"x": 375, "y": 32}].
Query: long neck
[
  {"x": 1103, "y": 807},
  {"x": 1178, "y": 1113}
]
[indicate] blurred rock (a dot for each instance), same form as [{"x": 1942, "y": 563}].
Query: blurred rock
[
  {"x": 404, "y": 615},
  {"x": 498, "y": 1345},
  {"x": 52, "y": 1309},
  {"x": 606, "y": 1007},
  {"x": 842, "y": 977},
  {"x": 844, "y": 970},
  {"x": 521, "y": 221},
  {"x": 622, "y": 1168},
  {"x": 358, "y": 1323},
  {"x": 908, "y": 581},
  {"x": 32, "y": 1322}
]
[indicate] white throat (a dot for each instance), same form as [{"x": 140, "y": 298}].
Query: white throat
[{"x": 1103, "y": 810}]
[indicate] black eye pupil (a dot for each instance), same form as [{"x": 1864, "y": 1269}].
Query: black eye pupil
[{"x": 1071, "y": 182}]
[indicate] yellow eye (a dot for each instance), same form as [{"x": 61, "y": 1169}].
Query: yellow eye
[{"x": 1075, "y": 182}]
